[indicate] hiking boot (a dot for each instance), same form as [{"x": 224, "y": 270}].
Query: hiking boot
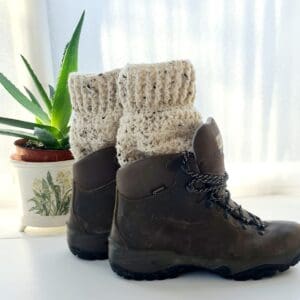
[
  {"x": 92, "y": 204},
  {"x": 173, "y": 214}
]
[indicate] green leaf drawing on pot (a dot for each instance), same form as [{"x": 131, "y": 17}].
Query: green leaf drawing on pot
[{"x": 52, "y": 196}]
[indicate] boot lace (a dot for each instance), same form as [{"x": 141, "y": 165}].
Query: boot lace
[{"x": 215, "y": 186}]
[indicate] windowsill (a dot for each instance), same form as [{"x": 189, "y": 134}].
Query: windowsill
[
  {"x": 9, "y": 226},
  {"x": 45, "y": 266}
]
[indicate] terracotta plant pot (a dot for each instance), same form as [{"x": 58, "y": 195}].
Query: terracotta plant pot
[
  {"x": 45, "y": 185},
  {"x": 39, "y": 155}
]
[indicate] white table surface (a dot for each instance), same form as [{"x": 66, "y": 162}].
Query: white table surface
[{"x": 39, "y": 267}]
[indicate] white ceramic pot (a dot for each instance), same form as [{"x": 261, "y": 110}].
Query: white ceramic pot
[{"x": 45, "y": 191}]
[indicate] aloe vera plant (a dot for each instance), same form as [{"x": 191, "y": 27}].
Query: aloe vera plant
[{"x": 52, "y": 110}]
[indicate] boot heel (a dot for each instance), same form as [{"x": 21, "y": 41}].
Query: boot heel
[
  {"x": 88, "y": 246},
  {"x": 143, "y": 265}
]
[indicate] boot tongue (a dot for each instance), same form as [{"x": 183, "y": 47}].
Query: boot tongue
[{"x": 208, "y": 148}]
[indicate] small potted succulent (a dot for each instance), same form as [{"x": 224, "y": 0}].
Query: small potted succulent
[{"x": 42, "y": 158}]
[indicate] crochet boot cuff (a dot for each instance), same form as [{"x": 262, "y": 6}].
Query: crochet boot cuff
[
  {"x": 96, "y": 112},
  {"x": 159, "y": 116}
]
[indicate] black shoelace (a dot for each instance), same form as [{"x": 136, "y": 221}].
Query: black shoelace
[{"x": 215, "y": 186}]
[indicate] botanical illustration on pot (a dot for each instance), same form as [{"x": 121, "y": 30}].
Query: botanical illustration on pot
[{"x": 52, "y": 194}]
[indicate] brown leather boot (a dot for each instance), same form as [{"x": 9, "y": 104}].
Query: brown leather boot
[
  {"x": 92, "y": 204},
  {"x": 173, "y": 214}
]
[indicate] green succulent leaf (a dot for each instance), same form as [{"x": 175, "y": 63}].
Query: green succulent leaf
[
  {"x": 23, "y": 100},
  {"x": 38, "y": 85},
  {"x": 65, "y": 131},
  {"x": 46, "y": 137},
  {"x": 34, "y": 100},
  {"x": 18, "y": 133},
  {"x": 65, "y": 144},
  {"x": 64, "y": 53},
  {"x": 29, "y": 125},
  {"x": 61, "y": 109},
  {"x": 38, "y": 121},
  {"x": 51, "y": 91},
  {"x": 32, "y": 97}
]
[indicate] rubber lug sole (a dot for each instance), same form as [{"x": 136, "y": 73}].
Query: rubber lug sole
[
  {"x": 256, "y": 273},
  {"x": 88, "y": 246},
  {"x": 88, "y": 255}
]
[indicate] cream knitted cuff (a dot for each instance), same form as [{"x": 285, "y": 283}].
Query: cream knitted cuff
[
  {"x": 158, "y": 112},
  {"x": 96, "y": 112}
]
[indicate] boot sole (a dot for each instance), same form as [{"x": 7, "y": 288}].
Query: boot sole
[
  {"x": 88, "y": 246},
  {"x": 122, "y": 262}
]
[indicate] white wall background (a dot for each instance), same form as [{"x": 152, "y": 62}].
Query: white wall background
[{"x": 246, "y": 55}]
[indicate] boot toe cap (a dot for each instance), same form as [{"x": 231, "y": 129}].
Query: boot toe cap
[{"x": 284, "y": 240}]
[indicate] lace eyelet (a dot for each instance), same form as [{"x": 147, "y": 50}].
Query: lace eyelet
[
  {"x": 214, "y": 188},
  {"x": 183, "y": 168},
  {"x": 189, "y": 187},
  {"x": 263, "y": 227},
  {"x": 245, "y": 220},
  {"x": 213, "y": 196}
]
